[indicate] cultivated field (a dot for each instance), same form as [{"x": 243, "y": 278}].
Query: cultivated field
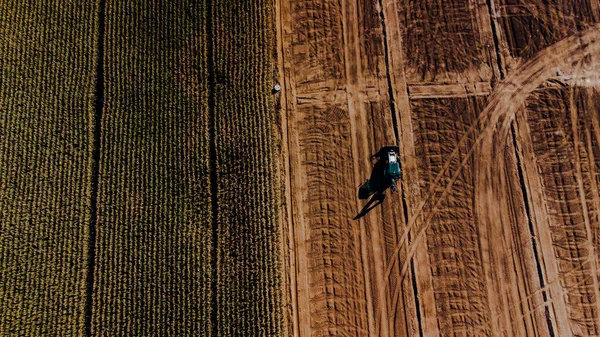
[
  {"x": 139, "y": 180},
  {"x": 151, "y": 184},
  {"x": 47, "y": 81},
  {"x": 494, "y": 107}
]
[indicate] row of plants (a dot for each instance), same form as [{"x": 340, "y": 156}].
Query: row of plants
[
  {"x": 47, "y": 83},
  {"x": 249, "y": 264}
]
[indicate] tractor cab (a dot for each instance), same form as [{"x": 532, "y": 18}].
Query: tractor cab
[{"x": 392, "y": 169}]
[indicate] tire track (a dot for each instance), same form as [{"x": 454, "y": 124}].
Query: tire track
[
  {"x": 565, "y": 53},
  {"x": 287, "y": 221},
  {"x": 370, "y": 231},
  {"x": 299, "y": 283},
  {"x": 528, "y": 263},
  {"x": 325, "y": 250},
  {"x": 420, "y": 311}
]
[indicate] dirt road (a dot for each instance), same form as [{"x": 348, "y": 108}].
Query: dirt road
[{"x": 494, "y": 231}]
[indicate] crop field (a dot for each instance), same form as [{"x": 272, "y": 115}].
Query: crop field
[
  {"x": 152, "y": 182},
  {"x": 47, "y": 83},
  {"x": 139, "y": 175},
  {"x": 494, "y": 105}
]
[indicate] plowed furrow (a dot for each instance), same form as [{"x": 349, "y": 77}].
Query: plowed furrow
[
  {"x": 530, "y": 26},
  {"x": 371, "y": 43},
  {"x": 452, "y": 239},
  {"x": 337, "y": 288},
  {"x": 564, "y": 169},
  {"x": 317, "y": 26},
  {"x": 442, "y": 40}
]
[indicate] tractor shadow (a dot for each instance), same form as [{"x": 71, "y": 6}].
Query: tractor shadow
[{"x": 375, "y": 201}]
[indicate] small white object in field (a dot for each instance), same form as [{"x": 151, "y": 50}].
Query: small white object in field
[{"x": 277, "y": 88}]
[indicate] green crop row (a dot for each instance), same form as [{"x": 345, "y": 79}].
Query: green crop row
[
  {"x": 154, "y": 236},
  {"x": 47, "y": 80},
  {"x": 249, "y": 291}
]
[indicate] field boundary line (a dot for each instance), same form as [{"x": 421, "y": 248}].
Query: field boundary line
[
  {"x": 498, "y": 296},
  {"x": 298, "y": 242},
  {"x": 425, "y": 313},
  {"x": 96, "y": 129},
  {"x": 373, "y": 231},
  {"x": 355, "y": 111},
  {"x": 500, "y": 44},
  {"x": 522, "y": 243},
  {"x": 287, "y": 221},
  {"x": 521, "y": 138},
  {"x": 504, "y": 58}
]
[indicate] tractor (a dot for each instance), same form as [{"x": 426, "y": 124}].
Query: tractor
[{"x": 386, "y": 172}]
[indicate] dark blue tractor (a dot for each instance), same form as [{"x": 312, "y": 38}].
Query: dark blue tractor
[{"x": 385, "y": 173}]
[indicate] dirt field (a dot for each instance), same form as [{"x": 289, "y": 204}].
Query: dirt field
[{"x": 494, "y": 231}]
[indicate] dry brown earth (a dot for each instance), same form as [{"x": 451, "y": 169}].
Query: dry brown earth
[{"x": 493, "y": 104}]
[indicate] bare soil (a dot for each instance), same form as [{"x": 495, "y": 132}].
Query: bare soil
[{"x": 495, "y": 228}]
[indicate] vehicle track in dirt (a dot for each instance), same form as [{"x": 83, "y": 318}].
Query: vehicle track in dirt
[
  {"x": 433, "y": 279},
  {"x": 514, "y": 89},
  {"x": 361, "y": 82}
]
